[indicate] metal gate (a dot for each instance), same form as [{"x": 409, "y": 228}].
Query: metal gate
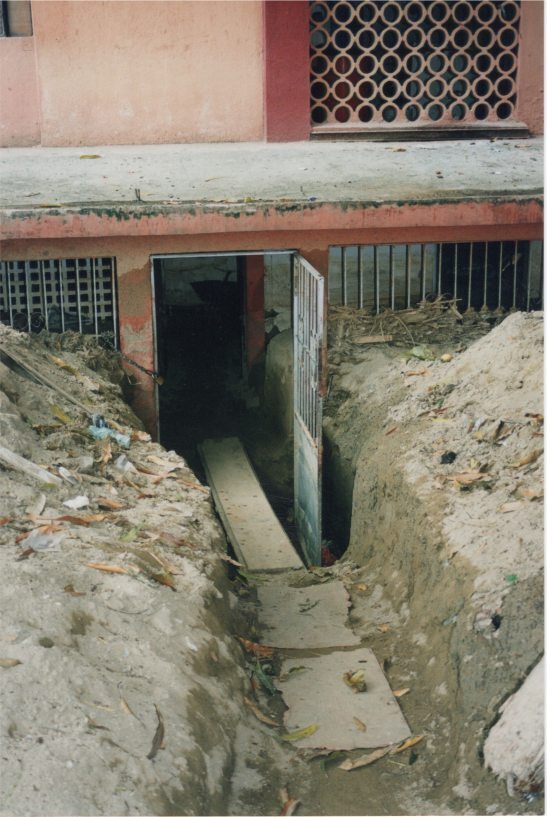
[{"x": 309, "y": 356}]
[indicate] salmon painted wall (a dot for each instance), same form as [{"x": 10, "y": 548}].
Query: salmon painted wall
[
  {"x": 19, "y": 109},
  {"x": 149, "y": 72}
]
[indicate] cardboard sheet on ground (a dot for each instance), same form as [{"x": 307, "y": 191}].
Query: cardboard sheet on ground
[
  {"x": 318, "y": 695},
  {"x": 305, "y": 617}
]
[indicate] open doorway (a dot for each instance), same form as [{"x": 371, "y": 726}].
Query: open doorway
[{"x": 227, "y": 328}]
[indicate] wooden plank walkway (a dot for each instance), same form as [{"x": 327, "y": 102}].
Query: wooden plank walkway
[{"x": 252, "y": 527}]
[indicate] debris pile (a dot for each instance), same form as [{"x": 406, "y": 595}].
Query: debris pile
[{"x": 122, "y": 688}]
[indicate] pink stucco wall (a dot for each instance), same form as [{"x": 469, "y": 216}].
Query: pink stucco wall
[
  {"x": 19, "y": 110},
  {"x": 149, "y": 72}
]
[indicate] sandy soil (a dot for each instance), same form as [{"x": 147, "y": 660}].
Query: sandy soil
[
  {"x": 449, "y": 585},
  {"x": 129, "y": 694},
  {"x": 91, "y": 660}
]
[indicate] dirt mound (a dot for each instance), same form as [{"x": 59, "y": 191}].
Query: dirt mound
[
  {"x": 445, "y": 459},
  {"x": 122, "y": 687}
]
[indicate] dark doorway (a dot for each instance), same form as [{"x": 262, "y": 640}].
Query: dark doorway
[{"x": 199, "y": 320}]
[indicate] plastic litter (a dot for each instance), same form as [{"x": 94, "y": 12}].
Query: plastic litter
[
  {"x": 102, "y": 432},
  {"x": 123, "y": 464},
  {"x": 77, "y": 502}
]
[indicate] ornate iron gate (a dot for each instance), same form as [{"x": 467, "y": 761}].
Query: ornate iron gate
[{"x": 309, "y": 354}]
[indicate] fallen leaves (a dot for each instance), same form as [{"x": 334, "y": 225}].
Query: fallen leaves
[
  {"x": 7, "y": 663},
  {"x": 355, "y": 680},
  {"x": 107, "y": 568},
  {"x": 289, "y": 804},
  {"x": 69, "y": 588},
  {"x": 468, "y": 478},
  {"x": 394, "y": 749},
  {"x": 360, "y": 725},
  {"x": 159, "y": 736},
  {"x": 258, "y": 713},
  {"x": 528, "y": 458},
  {"x": 365, "y": 760},
  {"x": 300, "y": 734},
  {"x": 398, "y": 693},
  {"x": 110, "y": 504},
  {"x": 529, "y": 493},
  {"x": 260, "y": 650},
  {"x": 5, "y": 520}
]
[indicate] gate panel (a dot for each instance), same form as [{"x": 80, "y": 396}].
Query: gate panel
[{"x": 308, "y": 357}]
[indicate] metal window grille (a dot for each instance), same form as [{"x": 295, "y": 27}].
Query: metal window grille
[
  {"x": 413, "y": 64},
  {"x": 60, "y": 294},
  {"x": 494, "y": 276}
]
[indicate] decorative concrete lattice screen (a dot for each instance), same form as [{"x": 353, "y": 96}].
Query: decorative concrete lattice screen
[
  {"x": 494, "y": 276},
  {"x": 379, "y": 64},
  {"x": 56, "y": 295}
]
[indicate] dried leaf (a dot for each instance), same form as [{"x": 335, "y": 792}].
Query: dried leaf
[
  {"x": 384, "y": 628},
  {"x": 9, "y": 662},
  {"x": 62, "y": 365},
  {"x": 105, "y": 451},
  {"x": 530, "y": 493},
  {"x": 355, "y": 680},
  {"x": 392, "y": 430},
  {"x": 361, "y": 587},
  {"x": 300, "y": 734},
  {"x": 158, "y": 737},
  {"x": 373, "y": 339},
  {"x": 468, "y": 477},
  {"x": 90, "y": 156},
  {"x": 193, "y": 485},
  {"x": 260, "y": 650},
  {"x": 106, "y": 568},
  {"x": 140, "y": 436},
  {"x": 60, "y": 414},
  {"x": 82, "y": 520},
  {"x": 528, "y": 458},
  {"x": 5, "y": 520},
  {"x": 94, "y": 725},
  {"x": 259, "y": 714},
  {"x": 365, "y": 760},
  {"x": 537, "y": 418},
  {"x": 230, "y": 561},
  {"x": 126, "y": 708},
  {"x": 360, "y": 725},
  {"x": 174, "y": 541},
  {"x": 289, "y": 807},
  {"x": 508, "y": 507},
  {"x": 111, "y": 504},
  {"x": 25, "y": 554},
  {"x": 406, "y": 744},
  {"x": 69, "y": 588},
  {"x": 398, "y": 693},
  {"x": 417, "y": 373}
]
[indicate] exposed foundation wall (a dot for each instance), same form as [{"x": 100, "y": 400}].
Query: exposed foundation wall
[{"x": 133, "y": 264}]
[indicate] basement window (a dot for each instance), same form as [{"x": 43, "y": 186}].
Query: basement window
[
  {"x": 485, "y": 276},
  {"x": 15, "y": 18},
  {"x": 413, "y": 65},
  {"x": 60, "y": 294}
]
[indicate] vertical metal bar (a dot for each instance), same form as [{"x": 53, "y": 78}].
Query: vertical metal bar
[
  {"x": 78, "y": 301},
  {"x": 470, "y": 280},
  {"x": 456, "y": 273},
  {"x": 376, "y": 281},
  {"x": 10, "y": 303},
  {"x": 407, "y": 275},
  {"x": 94, "y": 292},
  {"x": 44, "y": 294},
  {"x": 359, "y": 277},
  {"x": 391, "y": 278},
  {"x": 114, "y": 290},
  {"x": 515, "y": 260},
  {"x": 63, "y": 278},
  {"x": 500, "y": 275},
  {"x": 529, "y": 281},
  {"x": 422, "y": 271},
  {"x": 485, "y": 280},
  {"x": 28, "y": 290},
  {"x": 439, "y": 269},
  {"x": 343, "y": 274}
]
